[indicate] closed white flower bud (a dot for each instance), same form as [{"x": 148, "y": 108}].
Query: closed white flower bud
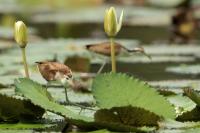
[
  {"x": 111, "y": 24},
  {"x": 20, "y": 33}
]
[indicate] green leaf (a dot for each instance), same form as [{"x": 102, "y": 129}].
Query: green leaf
[
  {"x": 192, "y": 115},
  {"x": 15, "y": 131},
  {"x": 193, "y": 130},
  {"x": 101, "y": 131},
  {"x": 182, "y": 103},
  {"x": 12, "y": 109},
  {"x": 118, "y": 90},
  {"x": 172, "y": 124},
  {"x": 185, "y": 69},
  {"x": 130, "y": 116},
  {"x": 39, "y": 96},
  {"x": 193, "y": 95},
  {"x": 25, "y": 126}
]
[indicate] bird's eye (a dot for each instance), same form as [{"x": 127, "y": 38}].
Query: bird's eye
[{"x": 67, "y": 78}]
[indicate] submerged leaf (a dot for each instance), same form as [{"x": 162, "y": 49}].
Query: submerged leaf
[
  {"x": 192, "y": 115},
  {"x": 12, "y": 109},
  {"x": 182, "y": 104},
  {"x": 193, "y": 95},
  {"x": 118, "y": 90},
  {"x": 128, "y": 115}
]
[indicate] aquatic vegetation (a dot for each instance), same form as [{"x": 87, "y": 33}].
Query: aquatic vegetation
[
  {"x": 70, "y": 93},
  {"x": 112, "y": 26},
  {"x": 21, "y": 39}
]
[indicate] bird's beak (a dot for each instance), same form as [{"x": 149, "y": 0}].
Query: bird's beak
[
  {"x": 70, "y": 82},
  {"x": 142, "y": 51},
  {"x": 147, "y": 55}
]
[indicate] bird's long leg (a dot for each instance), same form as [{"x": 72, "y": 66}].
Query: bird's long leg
[
  {"x": 102, "y": 66},
  {"x": 47, "y": 85},
  {"x": 66, "y": 96}
]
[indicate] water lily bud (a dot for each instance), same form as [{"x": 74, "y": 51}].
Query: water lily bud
[
  {"x": 20, "y": 34},
  {"x": 111, "y": 25}
]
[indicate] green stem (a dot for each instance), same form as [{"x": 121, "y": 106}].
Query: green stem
[
  {"x": 113, "y": 60},
  {"x": 25, "y": 62},
  {"x": 66, "y": 96}
]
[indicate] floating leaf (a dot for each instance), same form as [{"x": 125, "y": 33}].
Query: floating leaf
[
  {"x": 176, "y": 85},
  {"x": 192, "y": 115},
  {"x": 185, "y": 69},
  {"x": 15, "y": 131},
  {"x": 118, "y": 90},
  {"x": 39, "y": 96},
  {"x": 12, "y": 109},
  {"x": 156, "y": 59},
  {"x": 165, "y": 49},
  {"x": 182, "y": 104},
  {"x": 172, "y": 124},
  {"x": 59, "y": 95},
  {"x": 25, "y": 126},
  {"x": 193, "y": 130},
  {"x": 193, "y": 95},
  {"x": 130, "y": 116},
  {"x": 101, "y": 131}
]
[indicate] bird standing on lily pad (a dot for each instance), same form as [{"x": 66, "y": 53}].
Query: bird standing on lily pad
[{"x": 54, "y": 71}]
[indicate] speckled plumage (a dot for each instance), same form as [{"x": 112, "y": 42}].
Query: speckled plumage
[
  {"x": 54, "y": 71},
  {"x": 104, "y": 48}
]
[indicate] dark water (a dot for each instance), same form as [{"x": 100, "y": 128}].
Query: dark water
[
  {"x": 145, "y": 34},
  {"x": 148, "y": 71}
]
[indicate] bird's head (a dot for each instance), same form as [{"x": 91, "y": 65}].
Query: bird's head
[{"x": 67, "y": 79}]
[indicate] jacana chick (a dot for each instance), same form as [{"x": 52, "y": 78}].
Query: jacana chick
[
  {"x": 54, "y": 71},
  {"x": 105, "y": 50}
]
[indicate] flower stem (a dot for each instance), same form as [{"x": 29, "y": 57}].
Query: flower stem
[
  {"x": 25, "y": 62},
  {"x": 113, "y": 60},
  {"x": 66, "y": 96}
]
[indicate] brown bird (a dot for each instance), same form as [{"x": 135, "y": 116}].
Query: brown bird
[
  {"x": 54, "y": 71},
  {"x": 105, "y": 49}
]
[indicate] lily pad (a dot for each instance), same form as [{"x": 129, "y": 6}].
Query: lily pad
[
  {"x": 172, "y": 124},
  {"x": 23, "y": 109},
  {"x": 176, "y": 84},
  {"x": 185, "y": 69},
  {"x": 182, "y": 104},
  {"x": 166, "y": 49},
  {"x": 39, "y": 96},
  {"x": 156, "y": 59},
  {"x": 59, "y": 95},
  {"x": 132, "y": 92},
  {"x": 25, "y": 126},
  {"x": 128, "y": 115}
]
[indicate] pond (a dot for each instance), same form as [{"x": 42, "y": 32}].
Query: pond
[{"x": 156, "y": 87}]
